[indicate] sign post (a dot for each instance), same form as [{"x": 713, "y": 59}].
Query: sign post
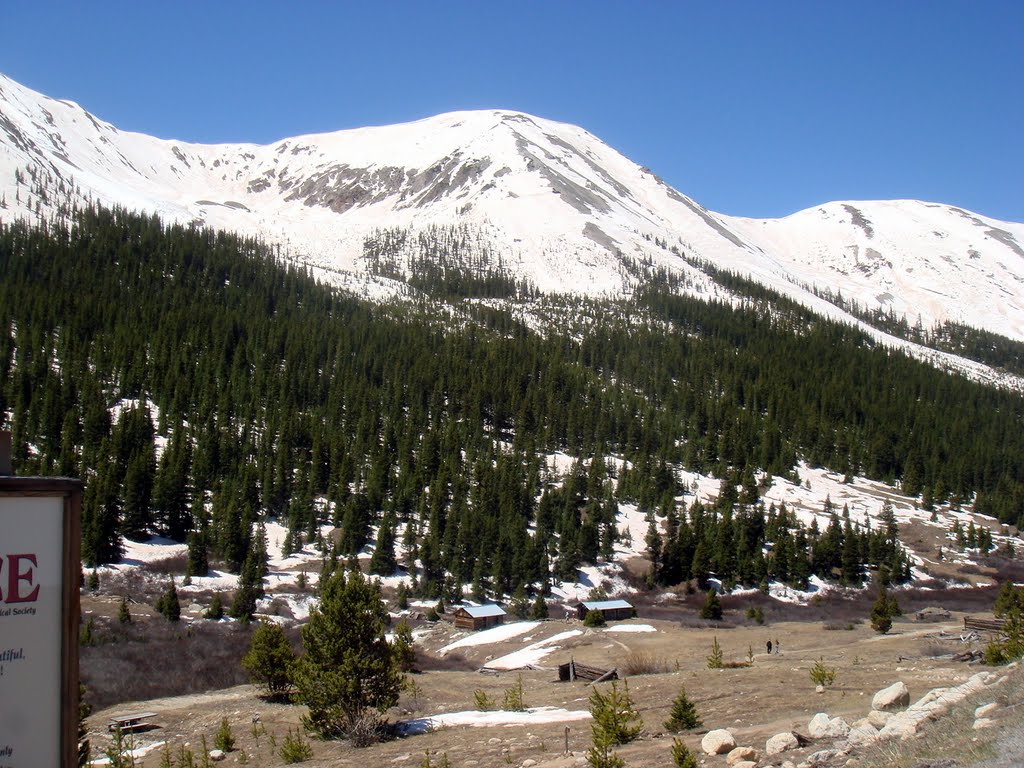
[{"x": 39, "y": 614}]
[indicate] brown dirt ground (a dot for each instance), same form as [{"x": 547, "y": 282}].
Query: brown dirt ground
[{"x": 774, "y": 694}]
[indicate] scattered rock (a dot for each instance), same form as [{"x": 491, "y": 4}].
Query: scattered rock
[
  {"x": 494, "y": 740},
  {"x": 781, "y": 742},
  {"x": 946, "y": 762},
  {"x": 819, "y": 689},
  {"x": 895, "y": 696},
  {"x": 824, "y": 727},
  {"x": 718, "y": 742},
  {"x": 217, "y": 755},
  {"x": 529, "y": 763},
  {"x": 983, "y": 722},
  {"x": 823, "y": 757},
  {"x": 741, "y": 754},
  {"x": 745, "y": 764}
]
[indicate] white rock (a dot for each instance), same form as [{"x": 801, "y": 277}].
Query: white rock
[
  {"x": 529, "y": 763},
  {"x": 822, "y": 757},
  {"x": 879, "y": 719},
  {"x": 741, "y": 754},
  {"x": 983, "y": 722},
  {"x": 895, "y": 696},
  {"x": 819, "y": 689},
  {"x": 217, "y": 755},
  {"x": 718, "y": 742},
  {"x": 824, "y": 727},
  {"x": 781, "y": 742},
  {"x": 985, "y": 710},
  {"x": 745, "y": 764}
]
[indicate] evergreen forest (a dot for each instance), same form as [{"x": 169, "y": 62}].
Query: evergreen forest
[{"x": 202, "y": 386}]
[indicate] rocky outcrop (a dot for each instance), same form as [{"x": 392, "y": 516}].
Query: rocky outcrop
[{"x": 931, "y": 706}]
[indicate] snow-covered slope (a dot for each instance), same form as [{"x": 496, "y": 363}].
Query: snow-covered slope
[{"x": 545, "y": 201}]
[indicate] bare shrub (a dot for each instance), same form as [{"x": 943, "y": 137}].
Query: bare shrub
[
  {"x": 644, "y": 663},
  {"x": 836, "y": 625},
  {"x": 153, "y": 659},
  {"x": 167, "y": 566},
  {"x": 452, "y": 662}
]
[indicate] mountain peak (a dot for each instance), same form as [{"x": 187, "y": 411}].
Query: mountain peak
[{"x": 547, "y": 201}]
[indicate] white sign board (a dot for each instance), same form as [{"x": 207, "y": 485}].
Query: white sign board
[{"x": 31, "y": 630}]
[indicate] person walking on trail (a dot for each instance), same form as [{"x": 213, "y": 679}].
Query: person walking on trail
[
  {"x": 768, "y": 645},
  {"x": 778, "y": 645}
]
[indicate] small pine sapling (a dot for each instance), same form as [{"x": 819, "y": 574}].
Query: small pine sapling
[
  {"x": 716, "y": 658},
  {"x": 822, "y": 674},
  {"x": 683, "y": 715},
  {"x": 682, "y": 757},
  {"x": 224, "y": 740}
]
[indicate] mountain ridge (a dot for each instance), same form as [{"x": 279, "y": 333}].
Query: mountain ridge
[{"x": 545, "y": 201}]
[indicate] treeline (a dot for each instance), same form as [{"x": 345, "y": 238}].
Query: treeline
[
  {"x": 975, "y": 344},
  {"x": 271, "y": 395}
]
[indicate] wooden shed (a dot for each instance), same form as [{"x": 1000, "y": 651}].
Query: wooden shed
[
  {"x": 476, "y": 617},
  {"x": 613, "y": 610}
]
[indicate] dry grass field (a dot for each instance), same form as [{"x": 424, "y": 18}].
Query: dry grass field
[{"x": 773, "y": 694}]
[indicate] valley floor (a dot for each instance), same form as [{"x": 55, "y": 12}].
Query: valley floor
[{"x": 755, "y": 702}]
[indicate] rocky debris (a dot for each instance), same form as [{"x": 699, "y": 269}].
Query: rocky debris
[
  {"x": 740, "y": 755},
  {"x": 862, "y": 735},
  {"x": 895, "y": 696},
  {"x": 823, "y": 757},
  {"x": 718, "y": 742},
  {"x": 824, "y": 727},
  {"x": 745, "y": 764},
  {"x": 933, "y": 705},
  {"x": 781, "y": 742}
]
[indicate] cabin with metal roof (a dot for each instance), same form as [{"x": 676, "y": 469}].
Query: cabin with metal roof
[
  {"x": 612, "y": 610},
  {"x": 474, "y": 617}
]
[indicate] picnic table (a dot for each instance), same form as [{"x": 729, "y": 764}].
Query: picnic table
[{"x": 130, "y": 722}]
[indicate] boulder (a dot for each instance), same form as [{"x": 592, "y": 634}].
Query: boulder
[
  {"x": 894, "y": 697},
  {"x": 781, "y": 742},
  {"x": 824, "y": 727},
  {"x": 718, "y": 742},
  {"x": 983, "y": 722},
  {"x": 879, "y": 719},
  {"x": 217, "y": 755},
  {"x": 741, "y": 754}
]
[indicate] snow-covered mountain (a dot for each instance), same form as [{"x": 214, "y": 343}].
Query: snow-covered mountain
[{"x": 545, "y": 201}]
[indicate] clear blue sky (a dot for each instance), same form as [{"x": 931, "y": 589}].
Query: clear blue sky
[{"x": 752, "y": 108}]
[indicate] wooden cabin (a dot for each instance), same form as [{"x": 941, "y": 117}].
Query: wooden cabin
[
  {"x": 613, "y": 610},
  {"x": 474, "y": 617}
]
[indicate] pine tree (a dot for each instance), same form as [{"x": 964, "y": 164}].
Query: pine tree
[
  {"x": 347, "y": 677},
  {"x": 683, "y": 715},
  {"x": 270, "y": 660},
  {"x": 168, "y": 604},
  {"x": 124, "y": 616},
  {"x": 616, "y": 720},
  {"x": 882, "y": 611},
  {"x": 712, "y": 608}
]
